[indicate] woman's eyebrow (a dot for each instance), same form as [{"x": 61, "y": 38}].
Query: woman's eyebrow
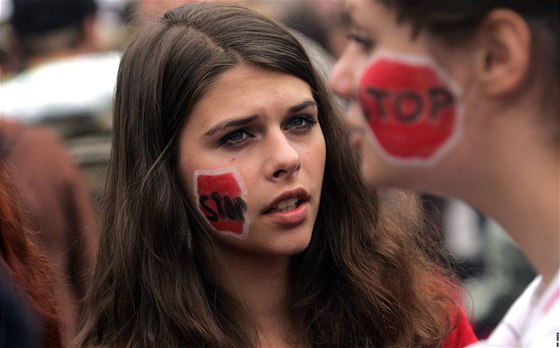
[
  {"x": 236, "y": 122},
  {"x": 302, "y": 106},
  {"x": 345, "y": 19},
  {"x": 347, "y": 16}
]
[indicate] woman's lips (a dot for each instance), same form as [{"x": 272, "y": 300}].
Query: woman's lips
[{"x": 290, "y": 217}]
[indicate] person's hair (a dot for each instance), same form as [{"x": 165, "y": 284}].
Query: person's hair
[
  {"x": 44, "y": 27},
  {"x": 362, "y": 282},
  {"x": 458, "y": 20},
  {"x": 24, "y": 264}
]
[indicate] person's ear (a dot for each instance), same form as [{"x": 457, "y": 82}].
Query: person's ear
[{"x": 504, "y": 52}]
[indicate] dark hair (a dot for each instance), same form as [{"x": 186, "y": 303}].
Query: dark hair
[
  {"x": 24, "y": 264},
  {"x": 33, "y": 17},
  {"x": 457, "y": 20},
  {"x": 362, "y": 282},
  {"x": 34, "y": 22}
]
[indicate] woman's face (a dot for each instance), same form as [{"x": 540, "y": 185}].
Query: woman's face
[
  {"x": 252, "y": 156},
  {"x": 402, "y": 104}
]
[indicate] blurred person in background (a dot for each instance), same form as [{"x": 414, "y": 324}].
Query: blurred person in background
[
  {"x": 493, "y": 282},
  {"x": 66, "y": 80},
  {"x": 462, "y": 99},
  {"x": 56, "y": 201},
  {"x": 64, "y": 73},
  {"x": 29, "y": 315}
]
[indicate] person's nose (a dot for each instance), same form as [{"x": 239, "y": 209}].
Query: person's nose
[
  {"x": 342, "y": 76},
  {"x": 283, "y": 159}
]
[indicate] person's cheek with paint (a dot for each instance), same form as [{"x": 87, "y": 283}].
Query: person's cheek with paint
[
  {"x": 221, "y": 198},
  {"x": 411, "y": 107}
]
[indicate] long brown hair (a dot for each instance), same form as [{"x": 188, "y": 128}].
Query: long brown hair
[
  {"x": 364, "y": 280},
  {"x": 25, "y": 265}
]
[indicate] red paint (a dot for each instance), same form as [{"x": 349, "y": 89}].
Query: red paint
[
  {"x": 409, "y": 105},
  {"x": 225, "y": 185}
]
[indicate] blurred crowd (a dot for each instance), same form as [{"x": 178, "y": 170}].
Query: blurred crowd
[{"x": 58, "y": 66}]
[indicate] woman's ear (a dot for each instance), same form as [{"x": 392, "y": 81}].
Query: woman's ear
[{"x": 504, "y": 52}]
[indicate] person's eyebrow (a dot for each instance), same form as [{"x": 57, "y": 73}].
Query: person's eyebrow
[
  {"x": 236, "y": 122},
  {"x": 302, "y": 106},
  {"x": 346, "y": 17}
]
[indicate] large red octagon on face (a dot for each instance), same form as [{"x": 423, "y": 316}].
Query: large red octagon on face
[{"x": 410, "y": 106}]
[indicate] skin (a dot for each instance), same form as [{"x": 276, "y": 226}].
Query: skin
[
  {"x": 504, "y": 164},
  {"x": 276, "y": 149}
]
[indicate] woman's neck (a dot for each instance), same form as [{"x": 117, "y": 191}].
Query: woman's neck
[
  {"x": 529, "y": 211},
  {"x": 260, "y": 284},
  {"x": 518, "y": 184}
]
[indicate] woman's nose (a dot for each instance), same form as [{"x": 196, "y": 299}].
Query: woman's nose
[
  {"x": 342, "y": 76},
  {"x": 283, "y": 160}
]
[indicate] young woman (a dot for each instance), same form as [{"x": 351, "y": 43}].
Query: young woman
[
  {"x": 236, "y": 216},
  {"x": 462, "y": 99}
]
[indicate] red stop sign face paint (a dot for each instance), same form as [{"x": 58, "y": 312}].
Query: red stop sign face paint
[
  {"x": 221, "y": 197},
  {"x": 411, "y": 107}
]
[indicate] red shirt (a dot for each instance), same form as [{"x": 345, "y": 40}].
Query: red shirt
[{"x": 462, "y": 334}]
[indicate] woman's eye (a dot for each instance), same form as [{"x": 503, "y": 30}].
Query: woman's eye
[
  {"x": 300, "y": 123},
  {"x": 236, "y": 138},
  {"x": 365, "y": 43}
]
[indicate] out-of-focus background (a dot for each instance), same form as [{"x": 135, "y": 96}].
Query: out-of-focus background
[{"x": 58, "y": 66}]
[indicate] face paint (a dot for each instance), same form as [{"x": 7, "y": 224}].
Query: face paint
[
  {"x": 221, "y": 197},
  {"x": 410, "y": 106}
]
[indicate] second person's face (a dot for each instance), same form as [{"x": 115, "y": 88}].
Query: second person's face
[
  {"x": 401, "y": 103},
  {"x": 252, "y": 155},
  {"x": 362, "y": 20}
]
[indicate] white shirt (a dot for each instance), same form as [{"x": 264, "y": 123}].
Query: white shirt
[
  {"x": 532, "y": 321},
  {"x": 67, "y": 86}
]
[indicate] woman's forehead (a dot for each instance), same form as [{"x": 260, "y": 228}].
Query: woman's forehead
[{"x": 244, "y": 90}]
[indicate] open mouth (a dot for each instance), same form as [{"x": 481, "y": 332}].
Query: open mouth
[{"x": 286, "y": 205}]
